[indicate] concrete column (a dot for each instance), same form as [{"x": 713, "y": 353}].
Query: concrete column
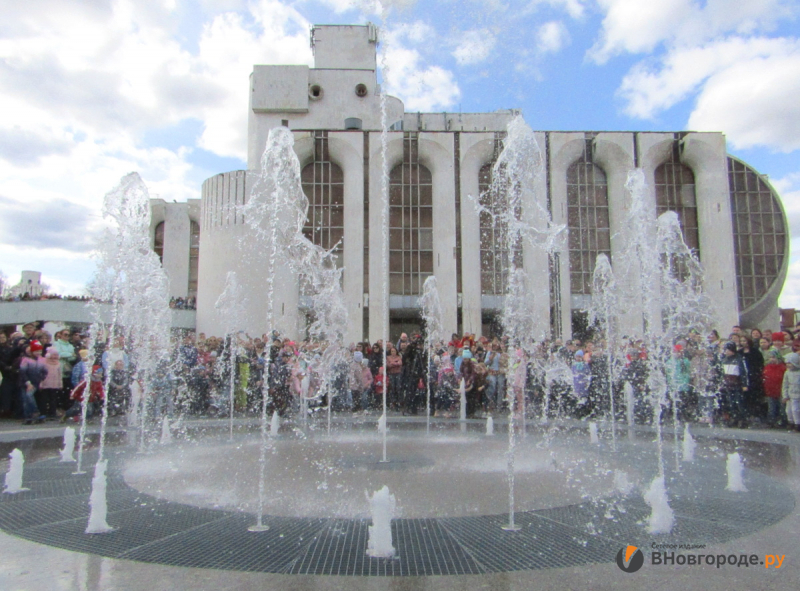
[
  {"x": 565, "y": 148},
  {"x": 705, "y": 154},
  {"x": 347, "y": 150},
  {"x": 614, "y": 153},
  {"x": 476, "y": 150},
  {"x": 436, "y": 153},
  {"x": 534, "y": 257},
  {"x": 176, "y": 248},
  {"x": 378, "y": 255}
]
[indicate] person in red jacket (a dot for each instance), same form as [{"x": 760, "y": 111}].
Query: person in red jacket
[
  {"x": 774, "y": 369},
  {"x": 96, "y": 396}
]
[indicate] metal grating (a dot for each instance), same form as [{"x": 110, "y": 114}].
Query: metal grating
[{"x": 151, "y": 530}]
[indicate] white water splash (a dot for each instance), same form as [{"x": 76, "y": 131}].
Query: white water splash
[
  {"x": 735, "y": 469},
  {"x": 661, "y": 517},
  {"x": 688, "y": 446},
  {"x": 16, "y": 467},
  {"x": 382, "y": 506},
  {"x": 621, "y": 482},
  {"x": 69, "y": 445},
  {"x": 166, "y": 434},
  {"x": 275, "y": 424},
  {"x": 97, "y": 501}
]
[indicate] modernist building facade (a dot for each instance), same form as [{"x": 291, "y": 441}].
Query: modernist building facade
[{"x": 438, "y": 164}]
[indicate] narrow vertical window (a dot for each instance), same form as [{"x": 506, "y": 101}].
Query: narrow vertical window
[
  {"x": 410, "y": 222},
  {"x": 587, "y": 221}
]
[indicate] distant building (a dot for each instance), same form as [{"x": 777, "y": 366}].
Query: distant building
[
  {"x": 729, "y": 212},
  {"x": 30, "y": 286}
]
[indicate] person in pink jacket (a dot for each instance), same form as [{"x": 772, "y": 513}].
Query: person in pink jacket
[{"x": 50, "y": 389}]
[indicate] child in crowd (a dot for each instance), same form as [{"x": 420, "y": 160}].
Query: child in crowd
[
  {"x": 791, "y": 390},
  {"x": 366, "y": 384},
  {"x": 49, "y": 389},
  {"x": 581, "y": 378},
  {"x": 774, "y": 369}
]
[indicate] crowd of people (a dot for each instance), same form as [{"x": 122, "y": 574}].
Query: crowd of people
[
  {"x": 189, "y": 303},
  {"x": 26, "y": 297},
  {"x": 751, "y": 378}
]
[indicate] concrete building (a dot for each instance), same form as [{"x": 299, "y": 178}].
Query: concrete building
[{"x": 729, "y": 213}]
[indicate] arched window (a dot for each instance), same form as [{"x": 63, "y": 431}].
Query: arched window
[
  {"x": 675, "y": 192},
  {"x": 323, "y": 184},
  {"x": 194, "y": 257},
  {"x": 158, "y": 242},
  {"x": 494, "y": 233},
  {"x": 587, "y": 221},
  {"x": 759, "y": 233},
  {"x": 410, "y": 222}
]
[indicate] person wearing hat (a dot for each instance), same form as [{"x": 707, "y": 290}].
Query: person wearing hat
[
  {"x": 780, "y": 343},
  {"x": 32, "y": 371},
  {"x": 774, "y": 369},
  {"x": 733, "y": 388}
]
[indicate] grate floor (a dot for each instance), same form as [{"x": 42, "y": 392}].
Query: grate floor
[{"x": 55, "y": 512}]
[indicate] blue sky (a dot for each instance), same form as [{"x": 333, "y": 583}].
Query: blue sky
[{"x": 93, "y": 90}]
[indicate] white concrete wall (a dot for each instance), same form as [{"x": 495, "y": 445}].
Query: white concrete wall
[
  {"x": 477, "y": 150},
  {"x": 176, "y": 248},
  {"x": 345, "y": 46},
  {"x": 565, "y": 148},
  {"x": 534, "y": 256},
  {"x": 706, "y": 155},
  {"x": 436, "y": 152},
  {"x": 497, "y": 121},
  {"x": 68, "y": 312},
  {"x": 378, "y": 254},
  {"x": 614, "y": 153}
]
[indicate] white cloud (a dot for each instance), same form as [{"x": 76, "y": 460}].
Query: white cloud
[
  {"x": 748, "y": 88},
  {"x": 632, "y": 26},
  {"x": 552, "y": 37},
  {"x": 406, "y": 73},
  {"x": 574, "y": 8},
  {"x": 420, "y": 87},
  {"x": 83, "y": 84},
  {"x": 474, "y": 47},
  {"x": 228, "y": 49},
  {"x": 755, "y": 102}
]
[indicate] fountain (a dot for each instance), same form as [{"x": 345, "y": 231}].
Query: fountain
[
  {"x": 67, "y": 452},
  {"x": 230, "y": 305},
  {"x": 688, "y": 445},
  {"x": 382, "y": 510},
  {"x": 735, "y": 470},
  {"x": 97, "y": 502},
  {"x": 275, "y": 424},
  {"x": 309, "y": 479},
  {"x": 434, "y": 333},
  {"x": 166, "y": 434},
  {"x": 13, "y": 483},
  {"x": 661, "y": 517},
  {"x": 603, "y": 312}
]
